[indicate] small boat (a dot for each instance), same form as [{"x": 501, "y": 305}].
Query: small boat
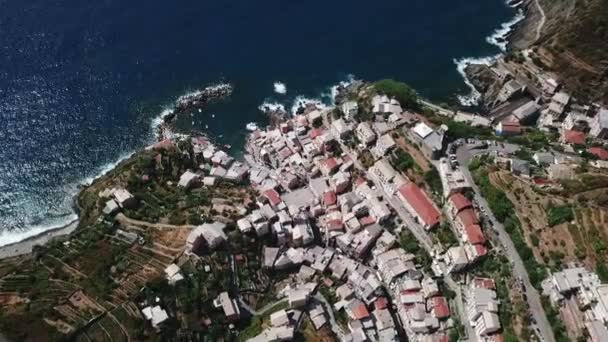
[
  {"x": 228, "y": 146},
  {"x": 252, "y": 126},
  {"x": 213, "y": 116}
]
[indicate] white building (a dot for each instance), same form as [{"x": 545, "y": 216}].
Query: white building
[{"x": 365, "y": 133}]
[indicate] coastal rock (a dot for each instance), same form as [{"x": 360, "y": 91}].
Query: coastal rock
[{"x": 485, "y": 81}]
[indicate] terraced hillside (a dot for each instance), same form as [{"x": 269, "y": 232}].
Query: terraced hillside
[{"x": 559, "y": 229}]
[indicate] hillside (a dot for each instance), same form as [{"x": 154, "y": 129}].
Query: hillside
[{"x": 571, "y": 42}]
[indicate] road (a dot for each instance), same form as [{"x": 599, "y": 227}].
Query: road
[
  {"x": 262, "y": 310},
  {"x": 464, "y": 155},
  {"x": 543, "y": 19}
]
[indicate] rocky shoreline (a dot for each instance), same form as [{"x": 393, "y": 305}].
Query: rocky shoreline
[{"x": 195, "y": 101}]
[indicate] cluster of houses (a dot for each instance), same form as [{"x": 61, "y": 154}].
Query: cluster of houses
[
  {"x": 309, "y": 193},
  {"x": 581, "y": 293},
  {"x": 482, "y": 310}
]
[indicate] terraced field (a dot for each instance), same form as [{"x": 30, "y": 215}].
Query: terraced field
[{"x": 580, "y": 240}]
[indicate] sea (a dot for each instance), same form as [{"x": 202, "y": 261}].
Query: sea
[{"x": 83, "y": 83}]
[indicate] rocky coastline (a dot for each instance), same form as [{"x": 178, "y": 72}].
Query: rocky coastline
[{"x": 195, "y": 101}]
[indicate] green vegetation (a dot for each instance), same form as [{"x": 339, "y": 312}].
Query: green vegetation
[
  {"x": 256, "y": 324},
  {"x": 406, "y": 96},
  {"x": 559, "y": 330},
  {"x": 534, "y": 139},
  {"x": 445, "y": 235},
  {"x": 402, "y": 160},
  {"x": 408, "y": 242},
  {"x": 432, "y": 179},
  {"x": 504, "y": 211},
  {"x": 558, "y": 214}
]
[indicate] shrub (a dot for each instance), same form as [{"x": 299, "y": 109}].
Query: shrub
[
  {"x": 406, "y": 96},
  {"x": 559, "y": 214}
]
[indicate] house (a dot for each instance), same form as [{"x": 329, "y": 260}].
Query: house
[
  {"x": 599, "y": 152},
  {"x": 510, "y": 90},
  {"x": 173, "y": 274},
  {"x": 573, "y": 137},
  {"x": 558, "y": 104},
  {"x": 329, "y": 166},
  {"x": 350, "y": 109},
  {"x": 273, "y": 198},
  {"x": 210, "y": 233},
  {"x": 544, "y": 158},
  {"x": 508, "y": 128},
  {"x": 456, "y": 259},
  {"x": 244, "y": 225},
  {"x": 393, "y": 264},
  {"x": 561, "y": 172},
  {"x": 188, "y": 179},
  {"x": 124, "y": 198},
  {"x": 384, "y": 145},
  {"x": 358, "y": 244},
  {"x": 419, "y": 205},
  {"x": 457, "y": 203},
  {"x": 526, "y": 113},
  {"x": 340, "y": 128},
  {"x": 298, "y": 298},
  {"x": 383, "y": 104},
  {"x": 237, "y": 172},
  {"x": 156, "y": 315},
  {"x": 228, "y": 305},
  {"x": 520, "y": 167},
  {"x": 430, "y": 140},
  {"x": 110, "y": 208},
  {"x": 599, "y": 124},
  {"x": 365, "y": 134}
]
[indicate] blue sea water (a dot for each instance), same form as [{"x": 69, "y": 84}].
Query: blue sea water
[{"x": 82, "y": 81}]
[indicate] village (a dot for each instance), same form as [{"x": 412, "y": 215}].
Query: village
[{"x": 378, "y": 219}]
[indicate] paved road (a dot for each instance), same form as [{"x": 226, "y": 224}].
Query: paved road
[
  {"x": 464, "y": 155},
  {"x": 262, "y": 310}
]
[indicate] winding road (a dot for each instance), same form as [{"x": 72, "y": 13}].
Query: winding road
[{"x": 543, "y": 19}]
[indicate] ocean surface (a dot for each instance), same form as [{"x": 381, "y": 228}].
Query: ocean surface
[{"x": 82, "y": 82}]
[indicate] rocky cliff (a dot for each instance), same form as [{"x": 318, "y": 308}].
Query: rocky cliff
[{"x": 570, "y": 37}]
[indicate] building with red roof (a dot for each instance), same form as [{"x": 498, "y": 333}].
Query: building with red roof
[
  {"x": 573, "y": 137},
  {"x": 474, "y": 235},
  {"x": 419, "y": 205},
  {"x": 329, "y": 166},
  {"x": 380, "y": 303},
  {"x": 465, "y": 218},
  {"x": 457, "y": 203},
  {"x": 273, "y": 197},
  {"x": 357, "y": 310},
  {"x": 439, "y": 307},
  {"x": 329, "y": 198},
  {"x": 366, "y": 221},
  {"x": 486, "y": 283},
  {"x": 315, "y": 133},
  {"x": 599, "y": 152},
  {"x": 508, "y": 127}
]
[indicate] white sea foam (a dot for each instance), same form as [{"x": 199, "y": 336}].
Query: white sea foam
[
  {"x": 302, "y": 101},
  {"x": 14, "y": 236},
  {"x": 499, "y": 36},
  {"x": 461, "y": 64},
  {"x": 280, "y": 88},
  {"x": 334, "y": 89},
  {"x": 271, "y": 106}
]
